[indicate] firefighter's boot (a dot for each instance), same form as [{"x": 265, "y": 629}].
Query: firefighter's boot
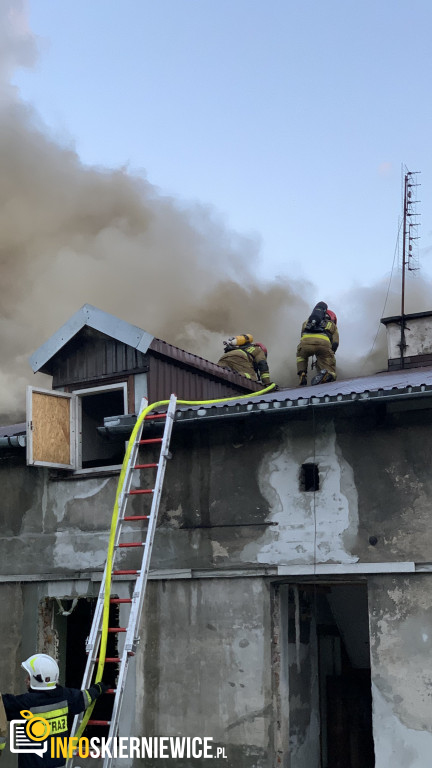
[
  {"x": 302, "y": 379},
  {"x": 322, "y": 377}
]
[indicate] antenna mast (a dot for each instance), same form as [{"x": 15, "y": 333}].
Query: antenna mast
[{"x": 410, "y": 225}]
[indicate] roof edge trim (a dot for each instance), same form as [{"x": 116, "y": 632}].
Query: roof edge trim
[{"x": 100, "y": 321}]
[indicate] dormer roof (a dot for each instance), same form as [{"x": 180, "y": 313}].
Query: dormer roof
[{"x": 96, "y": 319}]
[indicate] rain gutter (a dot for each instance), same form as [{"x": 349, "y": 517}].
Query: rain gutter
[
  {"x": 268, "y": 407},
  {"x": 14, "y": 441}
]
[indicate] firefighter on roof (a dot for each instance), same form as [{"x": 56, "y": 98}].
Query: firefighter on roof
[
  {"x": 247, "y": 357},
  {"x": 319, "y": 337}
]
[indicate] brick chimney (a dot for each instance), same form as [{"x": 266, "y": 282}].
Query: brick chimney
[{"x": 409, "y": 344}]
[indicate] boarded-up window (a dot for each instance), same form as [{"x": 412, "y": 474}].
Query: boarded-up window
[{"x": 50, "y": 428}]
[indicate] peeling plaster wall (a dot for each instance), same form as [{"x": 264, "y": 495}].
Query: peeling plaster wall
[
  {"x": 53, "y": 527},
  {"x": 310, "y": 526},
  {"x": 401, "y": 649},
  {"x": 232, "y": 498},
  {"x": 205, "y": 658}
]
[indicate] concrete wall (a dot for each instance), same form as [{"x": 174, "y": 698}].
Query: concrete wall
[
  {"x": 204, "y": 667},
  {"x": 401, "y": 648},
  {"x": 232, "y": 498},
  {"x": 418, "y": 337}
]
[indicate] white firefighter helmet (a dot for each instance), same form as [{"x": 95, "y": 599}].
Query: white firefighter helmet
[{"x": 43, "y": 671}]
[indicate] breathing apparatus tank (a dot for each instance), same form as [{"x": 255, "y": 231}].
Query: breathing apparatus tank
[{"x": 240, "y": 341}]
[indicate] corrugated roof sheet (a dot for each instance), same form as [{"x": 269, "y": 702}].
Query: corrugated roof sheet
[
  {"x": 411, "y": 382},
  {"x": 201, "y": 364}
]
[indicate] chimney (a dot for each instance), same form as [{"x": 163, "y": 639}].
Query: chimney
[{"x": 409, "y": 343}]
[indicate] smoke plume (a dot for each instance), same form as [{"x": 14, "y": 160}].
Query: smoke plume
[{"x": 72, "y": 234}]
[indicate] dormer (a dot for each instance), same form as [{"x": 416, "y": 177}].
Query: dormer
[{"x": 102, "y": 367}]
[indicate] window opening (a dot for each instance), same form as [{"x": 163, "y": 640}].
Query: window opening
[
  {"x": 309, "y": 477},
  {"x": 94, "y": 449}
]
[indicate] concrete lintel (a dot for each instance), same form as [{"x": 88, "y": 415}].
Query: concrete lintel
[
  {"x": 178, "y": 573},
  {"x": 234, "y": 573},
  {"x": 51, "y": 577},
  {"x": 342, "y": 568}
]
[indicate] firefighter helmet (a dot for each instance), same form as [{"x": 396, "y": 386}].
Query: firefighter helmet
[
  {"x": 264, "y": 349},
  {"x": 332, "y": 316},
  {"x": 43, "y": 671}
]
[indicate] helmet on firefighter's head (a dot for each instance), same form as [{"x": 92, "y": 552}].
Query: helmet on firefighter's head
[
  {"x": 43, "y": 671},
  {"x": 332, "y": 316},
  {"x": 264, "y": 349}
]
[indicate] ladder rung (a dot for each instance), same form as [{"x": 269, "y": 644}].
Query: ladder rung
[
  {"x": 156, "y": 416},
  {"x": 136, "y": 517},
  {"x": 117, "y": 629},
  {"x": 141, "y": 490},
  {"x": 146, "y": 466},
  {"x": 126, "y": 573},
  {"x": 111, "y": 659},
  {"x": 150, "y": 440},
  {"x": 120, "y": 599},
  {"x": 99, "y": 722},
  {"x": 132, "y": 544}
]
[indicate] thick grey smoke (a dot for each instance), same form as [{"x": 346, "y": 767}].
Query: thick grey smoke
[{"x": 71, "y": 234}]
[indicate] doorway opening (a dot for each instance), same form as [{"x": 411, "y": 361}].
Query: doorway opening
[
  {"x": 326, "y": 658},
  {"x": 65, "y": 626}
]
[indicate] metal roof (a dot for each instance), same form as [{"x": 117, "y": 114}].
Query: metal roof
[
  {"x": 98, "y": 320},
  {"x": 386, "y": 385},
  {"x": 202, "y": 365}
]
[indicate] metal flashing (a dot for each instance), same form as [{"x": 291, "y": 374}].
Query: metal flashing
[
  {"x": 324, "y": 569},
  {"x": 98, "y": 320}
]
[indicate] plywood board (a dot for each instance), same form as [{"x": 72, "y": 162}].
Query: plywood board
[{"x": 51, "y": 430}]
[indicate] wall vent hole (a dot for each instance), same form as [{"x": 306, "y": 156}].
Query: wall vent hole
[{"x": 309, "y": 477}]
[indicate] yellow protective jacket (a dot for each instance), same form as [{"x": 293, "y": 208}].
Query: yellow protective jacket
[{"x": 248, "y": 360}]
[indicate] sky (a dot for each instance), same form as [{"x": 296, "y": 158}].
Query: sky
[
  {"x": 292, "y": 119},
  {"x": 206, "y": 168}
]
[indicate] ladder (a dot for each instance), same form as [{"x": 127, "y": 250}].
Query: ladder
[{"x": 139, "y": 576}]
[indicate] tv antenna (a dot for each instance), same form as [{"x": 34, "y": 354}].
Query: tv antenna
[{"x": 410, "y": 235}]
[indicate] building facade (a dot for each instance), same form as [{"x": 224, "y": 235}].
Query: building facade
[{"x": 288, "y": 613}]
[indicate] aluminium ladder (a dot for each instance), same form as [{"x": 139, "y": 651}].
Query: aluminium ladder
[{"x": 136, "y": 601}]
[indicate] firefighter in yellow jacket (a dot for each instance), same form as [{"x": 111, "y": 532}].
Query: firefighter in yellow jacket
[
  {"x": 319, "y": 337},
  {"x": 247, "y": 357}
]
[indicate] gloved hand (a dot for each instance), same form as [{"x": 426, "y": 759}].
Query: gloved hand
[{"x": 103, "y": 687}]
